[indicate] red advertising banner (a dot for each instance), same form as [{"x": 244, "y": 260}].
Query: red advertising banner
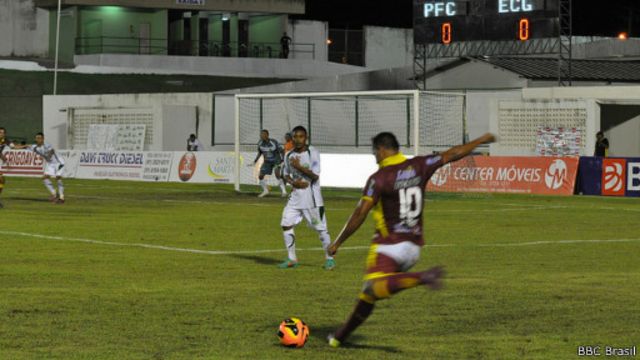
[
  {"x": 614, "y": 177},
  {"x": 524, "y": 175},
  {"x": 23, "y": 163}
]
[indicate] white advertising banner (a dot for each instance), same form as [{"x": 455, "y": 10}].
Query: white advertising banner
[
  {"x": 338, "y": 170},
  {"x": 157, "y": 166},
  {"x": 111, "y": 165},
  {"x": 203, "y": 167}
]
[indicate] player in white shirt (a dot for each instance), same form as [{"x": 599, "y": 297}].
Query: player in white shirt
[
  {"x": 5, "y": 146},
  {"x": 54, "y": 165},
  {"x": 302, "y": 171}
]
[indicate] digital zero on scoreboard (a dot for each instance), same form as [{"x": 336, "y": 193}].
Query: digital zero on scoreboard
[{"x": 446, "y": 22}]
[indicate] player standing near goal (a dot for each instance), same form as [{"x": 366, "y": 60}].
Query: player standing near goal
[
  {"x": 5, "y": 146},
  {"x": 272, "y": 153},
  {"x": 302, "y": 171},
  {"x": 395, "y": 193},
  {"x": 53, "y": 167}
]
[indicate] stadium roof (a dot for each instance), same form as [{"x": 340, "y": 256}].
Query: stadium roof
[{"x": 582, "y": 70}]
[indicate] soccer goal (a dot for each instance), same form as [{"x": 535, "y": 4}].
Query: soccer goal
[{"x": 345, "y": 122}]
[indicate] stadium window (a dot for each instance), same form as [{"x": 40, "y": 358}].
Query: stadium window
[{"x": 446, "y": 33}]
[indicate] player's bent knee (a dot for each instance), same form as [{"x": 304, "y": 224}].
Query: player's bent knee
[
  {"x": 374, "y": 290},
  {"x": 287, "y": 228}
]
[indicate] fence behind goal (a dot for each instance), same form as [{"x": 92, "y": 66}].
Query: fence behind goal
[{"x": 344, "y": 123}]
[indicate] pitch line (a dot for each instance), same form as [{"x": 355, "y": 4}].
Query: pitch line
[{"x": 266, "y": 251}]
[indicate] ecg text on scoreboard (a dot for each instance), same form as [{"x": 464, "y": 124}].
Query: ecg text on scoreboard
[{"x": 440, "y": 8}]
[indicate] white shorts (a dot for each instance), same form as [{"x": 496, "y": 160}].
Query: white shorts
[
  {"x": 405, "y": 254},
  {"x": 53, "y": 170},
  {"x": 315, "y": 217}
]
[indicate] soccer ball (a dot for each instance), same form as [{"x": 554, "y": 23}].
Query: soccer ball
[{"x": 293, "y": 332}]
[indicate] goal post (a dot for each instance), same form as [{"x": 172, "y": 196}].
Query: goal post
[{"x": 345, "y": 122}]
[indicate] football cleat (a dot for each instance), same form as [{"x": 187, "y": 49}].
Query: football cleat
[
  {"x": 330, "y": 264},
  {"x": 263, "y": 194},
  {"x": 333, "y": 342}
]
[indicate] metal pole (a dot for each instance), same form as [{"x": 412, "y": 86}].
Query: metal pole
[
  {"x": 416, "y": 122},
  {"x": 55, "y": 68}
]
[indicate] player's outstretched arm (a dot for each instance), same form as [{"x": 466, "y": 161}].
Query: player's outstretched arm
[
  {"x": 358, "y": 217},
  {"x": 458, "y": 152}
]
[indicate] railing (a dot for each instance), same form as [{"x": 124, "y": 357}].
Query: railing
[{"x": 129, "y": 45}]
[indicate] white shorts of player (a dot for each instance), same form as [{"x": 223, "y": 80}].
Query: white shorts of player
[
  {"x": 406, "y": 254},
  {"x": 292, "y": 217},
  {"x": 53, "y": 170}
]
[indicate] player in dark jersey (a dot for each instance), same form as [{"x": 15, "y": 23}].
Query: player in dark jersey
[
  {"x": 395, "y": 193},
  {"x": 272, "y": 152}
]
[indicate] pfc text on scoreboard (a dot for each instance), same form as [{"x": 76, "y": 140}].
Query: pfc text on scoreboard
[{"x": 433, "y": 9}]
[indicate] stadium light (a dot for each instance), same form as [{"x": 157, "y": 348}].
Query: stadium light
[
  {"x": 623, "y": 36},
  {"x": 55, "y": 67},
  {"x": 329, "y": 41}
]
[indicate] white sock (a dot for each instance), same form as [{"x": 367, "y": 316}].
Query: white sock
[
  {"x": 49, "y": 185},
  {"x": 264, "y": 185},
  {"x": 326, "y": 241},
  {"x": 290, "y": 243},
  {"x": 60, "y": 189},
  {"x": 283, "y": 188}
]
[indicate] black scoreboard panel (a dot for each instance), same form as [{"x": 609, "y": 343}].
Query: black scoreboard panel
[{"x": 445, "y": 22}]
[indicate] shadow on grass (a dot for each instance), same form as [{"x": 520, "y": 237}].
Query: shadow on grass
[
  {"x": 355, "y": 341},
  {"x": 17, "y": 198},
  {"x": 262, "y": 260}
]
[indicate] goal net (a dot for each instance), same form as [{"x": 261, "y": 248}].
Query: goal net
[{"x": 344, "y": 123}]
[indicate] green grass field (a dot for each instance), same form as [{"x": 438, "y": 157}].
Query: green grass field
[{"x": 173, "y": 271}]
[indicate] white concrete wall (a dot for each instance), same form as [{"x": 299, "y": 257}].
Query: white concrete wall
[
  {"x": 218, "y": 66},
  {"x": 481, "y": 106},
  {"x": 24, "y": 29},
  {"x": 475, "y": 75},
  {"x": 309, "y": 32},
  {"x": 387, "y": 47},
  {"x": 54, "y": 115}
]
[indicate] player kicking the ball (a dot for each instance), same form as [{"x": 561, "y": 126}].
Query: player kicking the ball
[
  {"x": 53, "y": 167},
  {"x": 302, "y": 171},
  {"x": 395, "y": 193}
]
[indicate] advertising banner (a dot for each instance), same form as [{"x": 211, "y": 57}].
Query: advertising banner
[
  {"x": 526, "y": 175},
  {"x": 157, "y": 166},
  {"x": 609, "y": 176},
  {"x": 23, "y": 163},
  {"x": 110, "y": 165},
  {"x": 203, "y": 167}
]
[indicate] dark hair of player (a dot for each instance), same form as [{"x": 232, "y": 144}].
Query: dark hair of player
[
  {"x": 266, "y": 132},
  {"x": 600, "y": 133},
  {"x": 299, "y": 128},
  {"x": 40, "y": 134},
  {"x": 3, "y": 129},
  {"x": 385, "y": 140}
]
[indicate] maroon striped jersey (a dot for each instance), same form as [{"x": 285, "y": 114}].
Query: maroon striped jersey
[{"x": 397, "y": 190}]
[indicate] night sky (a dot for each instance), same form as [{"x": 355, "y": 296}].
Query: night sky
[{"x": 591, "y": 17}]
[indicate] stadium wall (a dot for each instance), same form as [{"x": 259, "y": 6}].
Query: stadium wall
[
  {"x": 168, "y": 111},
  {"x": 220, "y": 66},
  {"x": 24, "y": 29},
  {"x": 387, "y": 47}
]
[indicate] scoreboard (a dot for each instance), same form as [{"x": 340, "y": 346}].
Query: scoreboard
[{"x": 446, "y": 22}]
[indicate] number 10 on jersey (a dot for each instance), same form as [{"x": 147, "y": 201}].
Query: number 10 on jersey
[{"x": 410, "y": 205}]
